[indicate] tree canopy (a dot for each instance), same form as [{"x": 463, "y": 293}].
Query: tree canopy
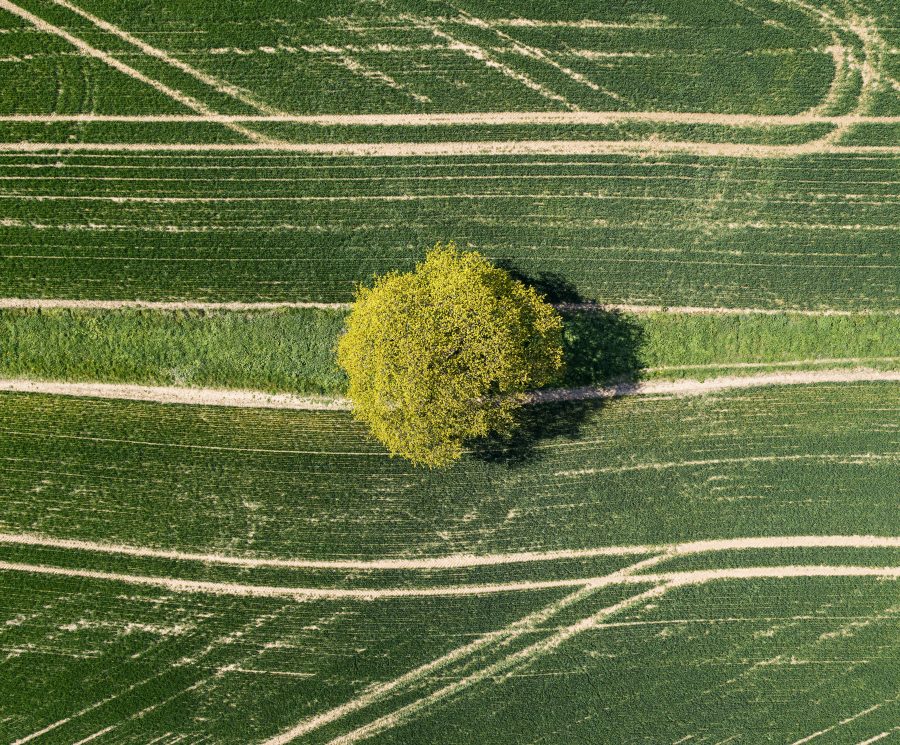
[{"x": 443, "y": 354}]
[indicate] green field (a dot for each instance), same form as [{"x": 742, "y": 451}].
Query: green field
[
  {"x": 706, "y": 189},
  {"x": 812, "y": 232},
  {"x": 206, "y": 481},
  {"x": 293, "y": 350}
]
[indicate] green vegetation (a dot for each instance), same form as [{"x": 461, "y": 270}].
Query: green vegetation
[
  {"x": 442, "y": 355},
  {"x": 793, "y": 460},
  {"x": 362, "y": 588},
  {"x": 809, "y": 232},
  {"x": 703, "y": 662},
  {"x": 293, "y": 350},
  {"x": 725, "y": 57},
  {"x": 268, "y": 350}
]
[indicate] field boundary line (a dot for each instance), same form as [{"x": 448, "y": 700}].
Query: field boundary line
[
  {"x": 459, "y": 561},
  {"x": 73, "y": 303},
  {"x": 487, "y": 118},
  {"x": 517, "y": 628},
  {"x": 239, "y": 398},
  {"x": 467, "y": 147},
  {"x": 216, "y": 84},
  {"x": 91, "y": 51}
]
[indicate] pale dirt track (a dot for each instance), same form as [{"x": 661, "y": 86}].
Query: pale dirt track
[
  {"x": 188, "y": 101},
  {"x": 460, "y": 561},
  {"x": 690, "y": 387},
  {"x": 50, "y": 303},
  {"x": 371, "y": 594},
  {"x": 260, "y": 400},
  {"x": 463, "y": 148},
  {"x": 177, "y": 395}
]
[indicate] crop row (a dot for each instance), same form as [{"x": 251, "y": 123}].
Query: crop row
[
  {"x": 414, "y": 56},
  {"x": 770, "y": 461},
  {"x": 809, "y": 232}
]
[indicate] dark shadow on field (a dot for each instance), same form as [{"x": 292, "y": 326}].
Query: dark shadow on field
[{"x": 601, "y": 348}]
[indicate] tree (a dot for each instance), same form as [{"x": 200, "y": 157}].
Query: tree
[{"x": 444, "y": 354}]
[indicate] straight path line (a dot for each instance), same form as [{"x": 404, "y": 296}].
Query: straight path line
[
  {"x": 116, "y": 64},
  {"x": 502, "y": 666},
  {"x": 178, "y": 395},
  {"x": 515, "y": 629},
  {"x": 259, "y": 400},
  {"x": 48, "y": 303},
  {"x": 458, "y": 561},
  {"x": 465, "y": 148},
  {"x": 61, "y": 303},
  {"x": 689, "y": 387},
  {"x": 503, "y": 118},
  {"x": 216, "y": 84}
]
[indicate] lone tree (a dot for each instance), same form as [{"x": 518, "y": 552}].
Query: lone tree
[{"x": 444, "y": 354}]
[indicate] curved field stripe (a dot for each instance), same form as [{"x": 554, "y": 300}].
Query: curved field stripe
[
  {"x": 458, "y": 561},
  {"x": 259, "y": 400},
  {"x": 236, "y": 589},
  {"x": 182, "y": 98}
]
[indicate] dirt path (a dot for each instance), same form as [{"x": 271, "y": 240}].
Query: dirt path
[
  {"x": 460, "y": 561},
  {"x": 260, "y": 400},
  {"x": 50, "y": 303},
  {"x": 465, "y": 148},
  {"x": 690, "y": 387},
  {"x": 177, "y": 395},
  {"x": 77, "y": 304}
]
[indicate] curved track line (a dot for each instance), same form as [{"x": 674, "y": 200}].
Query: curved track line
[
  {"x": 459, "y": 561},
  {"x": 182, "y": 98},
  {"x": 259, "y": 400},
  {"x": 216, "y": 84}
]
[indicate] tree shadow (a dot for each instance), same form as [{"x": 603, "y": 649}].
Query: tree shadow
[{"x": 601, "y": 348}]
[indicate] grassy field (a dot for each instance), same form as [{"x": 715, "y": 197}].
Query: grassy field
[
  {"x": 292, "y": 350},
  {"x": 717, "y": 568}
]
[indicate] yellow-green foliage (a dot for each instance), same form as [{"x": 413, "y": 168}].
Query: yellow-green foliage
[{"x": 443, "y": 354}]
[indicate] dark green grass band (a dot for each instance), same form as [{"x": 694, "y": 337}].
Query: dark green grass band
[{"x": 292, "y": 350}]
